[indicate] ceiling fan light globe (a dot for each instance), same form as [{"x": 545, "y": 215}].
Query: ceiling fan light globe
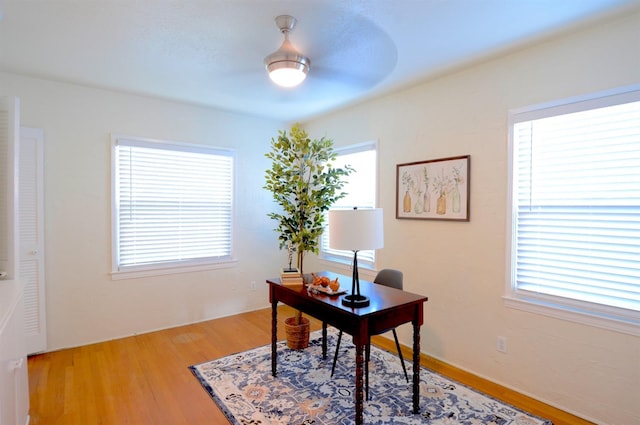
[{"x": 287, "y": 73}]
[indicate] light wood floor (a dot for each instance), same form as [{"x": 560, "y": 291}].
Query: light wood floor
[{"x": 145, "y": 380}]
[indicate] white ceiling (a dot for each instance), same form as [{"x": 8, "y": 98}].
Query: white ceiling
[{"x": 211, "y": 52}]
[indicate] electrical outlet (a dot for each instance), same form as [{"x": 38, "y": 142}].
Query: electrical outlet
[
  {"x": 252, "y": 285},
  {"x": 501, "y": 344}
]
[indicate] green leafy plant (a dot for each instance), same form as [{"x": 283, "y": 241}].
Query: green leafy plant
[{"x": 304, "y": 184}]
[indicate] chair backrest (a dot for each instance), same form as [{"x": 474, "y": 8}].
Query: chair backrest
[{"x": 389, "y": 277}]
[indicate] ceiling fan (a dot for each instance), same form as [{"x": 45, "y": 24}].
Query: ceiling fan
[
  {"x": 287, "y": 67},
  {"x": 357, "y": 54}
]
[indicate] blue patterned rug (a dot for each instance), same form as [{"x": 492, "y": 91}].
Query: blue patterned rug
[{"x": 304, "y": 393}]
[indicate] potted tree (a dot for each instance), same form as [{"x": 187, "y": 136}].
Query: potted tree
[{"x": 304, "y": 184}]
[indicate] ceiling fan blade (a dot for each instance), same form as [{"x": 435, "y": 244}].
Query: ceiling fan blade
[
  {"x": 356, "y": 52},
  {"x": 346, "y": 77}
]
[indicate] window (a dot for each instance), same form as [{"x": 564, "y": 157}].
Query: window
[
  {"x": 361, "y": 193},
  {"x": 575, "y": 213},
  {"x": 172, "y": 205}
]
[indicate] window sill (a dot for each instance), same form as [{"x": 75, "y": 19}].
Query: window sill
[
  {"x": 575, "y": 314},
  {"x": 138, "y": 273},
  {"x": 344, "y": 267}
]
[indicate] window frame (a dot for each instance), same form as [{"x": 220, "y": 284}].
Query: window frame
[
  {"x": 119, "y": 272},
  {"x": 592, "y": 314},
  {"x": 346, "y": 259}
]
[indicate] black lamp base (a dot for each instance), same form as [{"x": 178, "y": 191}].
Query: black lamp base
[{"x": 355, "y": 301}]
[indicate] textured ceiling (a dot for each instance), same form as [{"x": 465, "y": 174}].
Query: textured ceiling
[{"x": 211, "y": 52}]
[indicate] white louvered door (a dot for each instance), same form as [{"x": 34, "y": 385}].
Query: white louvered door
[{"x": 31, "y": 230}]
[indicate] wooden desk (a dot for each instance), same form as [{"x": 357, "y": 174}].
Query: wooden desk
[{"x": 389, "y": 307}]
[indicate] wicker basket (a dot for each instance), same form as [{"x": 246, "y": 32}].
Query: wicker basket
[{"x": 297, "y": 334}]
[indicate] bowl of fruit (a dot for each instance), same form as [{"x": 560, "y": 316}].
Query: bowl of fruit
[{"x": 325, "y": 285}]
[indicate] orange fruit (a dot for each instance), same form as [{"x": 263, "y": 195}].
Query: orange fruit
[{"x": 334, "y": 285}]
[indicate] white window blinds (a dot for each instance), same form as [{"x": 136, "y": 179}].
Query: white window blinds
[
  {"x": 576, "y": 206},
  {"x": 173, "y": 204}
]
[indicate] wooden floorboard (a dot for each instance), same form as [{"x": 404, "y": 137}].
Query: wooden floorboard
[{"x": 145, "y": 380}]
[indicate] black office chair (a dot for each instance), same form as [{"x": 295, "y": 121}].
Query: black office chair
[{"x": 391, "y": 278}]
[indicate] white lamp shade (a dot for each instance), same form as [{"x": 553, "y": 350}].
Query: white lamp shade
[{"x": 356, "y": 229}]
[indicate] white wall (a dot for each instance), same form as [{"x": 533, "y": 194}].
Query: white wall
[
  {"x": 461, "y": 266},
  {"x": 83, "y": 304}
]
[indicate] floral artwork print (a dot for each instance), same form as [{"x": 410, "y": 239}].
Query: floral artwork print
[{"x": 435, "y": 189}]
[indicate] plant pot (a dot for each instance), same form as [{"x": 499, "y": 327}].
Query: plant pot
[{"x": 297, "y": 332}]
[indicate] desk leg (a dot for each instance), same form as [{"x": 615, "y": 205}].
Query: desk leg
[
  {"x": 274, "y": 337},
  {"x": 324, "y": 340},
  {"x": 359, "y": 383},
  {"x": 416, "y": 367}
]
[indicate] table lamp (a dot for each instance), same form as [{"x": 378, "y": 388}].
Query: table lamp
[{"x": 356, "y": 230}]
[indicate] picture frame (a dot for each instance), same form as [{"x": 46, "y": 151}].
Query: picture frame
[{"x": 436, "y": 189}]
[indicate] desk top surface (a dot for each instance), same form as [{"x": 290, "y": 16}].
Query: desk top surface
[{"x": 381, "y": 297}]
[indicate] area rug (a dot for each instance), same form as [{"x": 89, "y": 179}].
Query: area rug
[{"x": 304, "y": 392}]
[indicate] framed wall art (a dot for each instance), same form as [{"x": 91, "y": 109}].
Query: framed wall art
[{"x": 437, "y": 189}]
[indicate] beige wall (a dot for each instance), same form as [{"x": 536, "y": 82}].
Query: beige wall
[
  {"x": 461, "y": 266},
  {"x": 83, "y": 304}
]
